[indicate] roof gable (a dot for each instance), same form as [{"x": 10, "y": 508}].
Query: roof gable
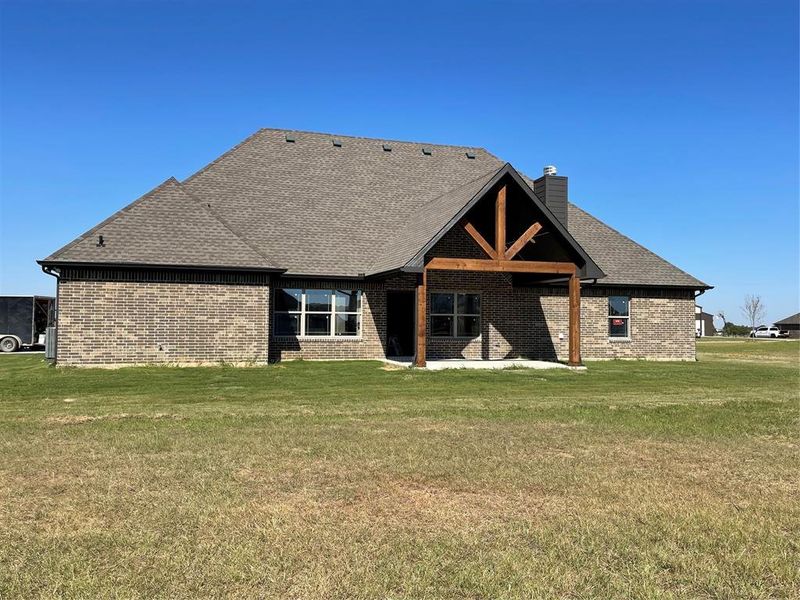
[{"x": 433, "y": 220}]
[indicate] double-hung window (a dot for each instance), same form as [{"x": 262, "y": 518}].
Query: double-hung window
[
  {"x": 455, "y": 315},
  {"x": 323, "y": 313},
  {"x": 619, "y": 316}
]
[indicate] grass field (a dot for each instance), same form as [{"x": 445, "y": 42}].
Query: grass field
[{"x": 348, "y": 480}]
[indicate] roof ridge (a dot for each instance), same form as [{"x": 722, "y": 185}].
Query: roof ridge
[
  {"x": 114, "y": 216},
  {"x": 637, "y": 244},
  {"x": 225, "y": 154},
  {"x": 375, "y": 139},
  {"x": 206, "y": 206},
  {"x": 257, "y": 133}
]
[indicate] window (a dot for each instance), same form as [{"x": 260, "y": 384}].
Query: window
[
  {"x": 619, "y": 316},
  {"x": 288, "y": 304},
  {"x": 317, "y": 312},
  {"x": 455, "y": 315}
]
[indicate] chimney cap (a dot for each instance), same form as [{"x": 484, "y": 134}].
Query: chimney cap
[{"x": 550, "y": 170}]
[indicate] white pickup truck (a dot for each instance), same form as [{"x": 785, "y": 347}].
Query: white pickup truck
[{"x": 768, "y": 332}]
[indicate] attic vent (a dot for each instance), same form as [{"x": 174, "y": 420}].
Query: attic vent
[
  {"x": 427, "y": 151},
  {"x": 100, "y": 241},
  {"x": 337, "y": 143},
  {"x": 387, "y": 148},
  {"x": 290, "y": 138},
  {"x": 470, "y": 155}
]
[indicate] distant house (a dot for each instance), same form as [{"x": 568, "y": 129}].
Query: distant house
[
  {"x": 791, "y": 324},
  {"x": 703, "y": 323},
  {"x": 319, "y": 246}
]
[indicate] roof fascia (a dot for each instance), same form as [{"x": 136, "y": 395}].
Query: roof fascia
[
  {"x": 657, "y": 286},
  {"x": 286, "y": 275},
  {"x": 154, "y": 266}
]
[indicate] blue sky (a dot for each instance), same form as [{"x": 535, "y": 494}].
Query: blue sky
[{"x": 677, "y": 122}]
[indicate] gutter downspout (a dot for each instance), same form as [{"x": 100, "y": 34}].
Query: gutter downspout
[{"x": 54, "y": 272}]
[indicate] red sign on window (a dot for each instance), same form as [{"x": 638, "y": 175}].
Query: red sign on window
[{"x": 617, "y": 322}]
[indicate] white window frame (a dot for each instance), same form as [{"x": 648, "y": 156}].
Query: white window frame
[
  {"x": 333, "y": 312},
  {"x": 626, "y": 318},
  {"x": 455, "y": 314}
]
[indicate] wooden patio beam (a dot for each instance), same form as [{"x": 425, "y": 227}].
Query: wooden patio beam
[
  {"x": 422, "y": 318},
  {"x": 574, "y": 321},
  {"x": 500, "y": 223},
  {"x": 522, "y": 240},
  {"x": 480, "y": 240},
  {"x": 501, "y": 266}
]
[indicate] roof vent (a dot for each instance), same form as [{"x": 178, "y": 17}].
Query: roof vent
[
  {"x": 387, "y": 148},
  {"x": 100, "y": 241},
  {"x": 470, "y": 154},
  {"x": 550, "y": 170},
  {"x": 337, "y": 143},
  {"x": 427, "y": 151},
  {"x": 290, "y": 138}
]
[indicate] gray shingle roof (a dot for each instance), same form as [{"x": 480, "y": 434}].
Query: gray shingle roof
[
  {"x": 164, "y": 227},
  {"x": 624, "y": 261},
  {"x": 423, "y": 224},
  {"x": 793, "y": 320},
  {"x": 325, "y": 210},
  {"x": 310, "y": 207}
]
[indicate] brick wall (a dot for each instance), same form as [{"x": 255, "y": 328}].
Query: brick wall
[
  {"x": 661, "y": 324},
  {"x": 117, "y": 322},
  {"x": 534, "y": 322},
  {"x": 528, "y": 322},
  {"x": 108, "y": 317}
]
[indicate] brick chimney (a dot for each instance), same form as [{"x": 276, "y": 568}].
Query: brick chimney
[{"x": 552, "y": 190}]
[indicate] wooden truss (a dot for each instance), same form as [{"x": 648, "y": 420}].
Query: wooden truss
[{"x": 500, "y": 261}]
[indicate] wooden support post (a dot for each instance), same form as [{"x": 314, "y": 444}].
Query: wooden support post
[
  {"x": 422, "y": 317},
  {"x": 574, "y": 321},
  {"x": 500, "y": 224}
]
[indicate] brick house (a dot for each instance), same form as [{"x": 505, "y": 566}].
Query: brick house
[
  {"x": 316, "y": 246},
  {"x": 790, "y": 324}
]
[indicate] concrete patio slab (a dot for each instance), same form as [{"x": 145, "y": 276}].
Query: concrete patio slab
[{"x": 520, "y": 363}]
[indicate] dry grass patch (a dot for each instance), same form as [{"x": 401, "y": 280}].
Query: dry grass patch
[{"x": 81, "y": 419}]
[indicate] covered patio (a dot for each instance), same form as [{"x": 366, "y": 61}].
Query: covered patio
[{"x": 557, "y": 261}]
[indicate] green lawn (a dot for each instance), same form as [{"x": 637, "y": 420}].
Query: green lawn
[{"x": 349, "y": 480}]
